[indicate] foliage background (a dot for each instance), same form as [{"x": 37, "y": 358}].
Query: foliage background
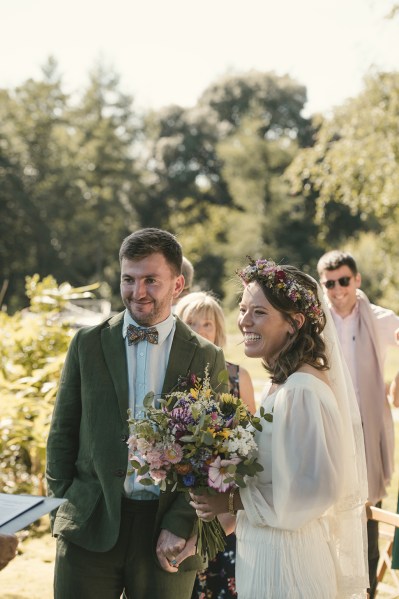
[{"x": 241, "y": 172}]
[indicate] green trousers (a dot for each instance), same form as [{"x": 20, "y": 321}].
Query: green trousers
[{"x": 129, "y": 567}]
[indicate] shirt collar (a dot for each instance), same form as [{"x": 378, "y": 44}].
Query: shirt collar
[
  {"x": 164, "y": 328},
  {"x": 350, "y": 316}
]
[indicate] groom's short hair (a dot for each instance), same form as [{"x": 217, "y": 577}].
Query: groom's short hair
[
  {"x": 335, "y": 259},
  {"x": 144, "y": 242}
]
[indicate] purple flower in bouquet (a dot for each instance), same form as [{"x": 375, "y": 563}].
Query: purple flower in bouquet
[{"x": 180, "y": 417}]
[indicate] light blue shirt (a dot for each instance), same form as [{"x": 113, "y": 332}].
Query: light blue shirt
[{"x": 146, "y": 367}]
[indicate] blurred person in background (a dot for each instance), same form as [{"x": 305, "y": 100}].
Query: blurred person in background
[
  {"x": 365, "y": 332},
  {"x": 187, "y": 270}
]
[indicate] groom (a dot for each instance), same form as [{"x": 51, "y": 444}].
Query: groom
[{"x": 113, "y": 534}]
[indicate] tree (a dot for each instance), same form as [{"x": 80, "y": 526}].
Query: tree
[
  {"x": 31, "y": 177},
  {"x": 181, "y": 161},
  {"x": 277, "y": 101},
  {"x": 221, "y": 161},
  {"x": 351, "y": 173},
  {"x": 105, "y": 130},
  {"x": 68, "y": 178},
  {"x": 354, "y": 161}
]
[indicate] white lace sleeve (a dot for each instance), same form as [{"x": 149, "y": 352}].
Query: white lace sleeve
[{"x": 306, "y": 459}]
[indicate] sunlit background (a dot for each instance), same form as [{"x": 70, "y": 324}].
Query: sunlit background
[{"x": 169, "y": 52}]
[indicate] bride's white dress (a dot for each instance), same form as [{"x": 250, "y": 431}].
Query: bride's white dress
[{"x": 283, "y": 549}]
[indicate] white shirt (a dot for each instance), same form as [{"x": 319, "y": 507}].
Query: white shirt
[
  {"x": 346, "y": 329},
  {"x": 146, "y": 367},
  {"x": 386, "y": 324}
]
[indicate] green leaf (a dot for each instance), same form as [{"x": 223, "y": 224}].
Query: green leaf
[
  {"x": 148, "y": 400},
  {"x": 207, "y": 438},
  {"x": 223, "y": 377},
  {"x": 258, "y": 467},
  {"x": 143, "y": 470},
  {"x": 147, "y": 482},
  {"x": 231, "y": 468},
  {"x": 228, "y": 479}
]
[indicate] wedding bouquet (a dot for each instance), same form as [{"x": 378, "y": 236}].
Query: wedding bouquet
[{"x": 195, "y": 439}]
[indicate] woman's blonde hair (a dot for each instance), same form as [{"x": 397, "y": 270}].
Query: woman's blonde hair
[{"x": 204, "y": 303}]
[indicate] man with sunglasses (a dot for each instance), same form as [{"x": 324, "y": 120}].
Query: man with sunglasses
[{"x": 365, "y": 332}]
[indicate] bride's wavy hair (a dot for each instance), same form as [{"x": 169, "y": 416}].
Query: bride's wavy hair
[{"x": 306, "y": 344}]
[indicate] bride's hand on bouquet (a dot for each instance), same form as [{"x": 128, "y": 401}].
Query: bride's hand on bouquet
[{"x": 207, "y": 507}]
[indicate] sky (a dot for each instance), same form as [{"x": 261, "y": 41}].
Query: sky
[{"x": 170, "y": 51}]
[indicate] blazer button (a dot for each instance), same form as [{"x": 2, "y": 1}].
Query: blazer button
[
  {"x": 120, "y": 473},
  {"x": 124, "y": 438}
]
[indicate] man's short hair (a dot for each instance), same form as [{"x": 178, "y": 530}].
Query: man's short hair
[
  {"x": 144, "y": 242},
  {"x": 335, "y": 259}
]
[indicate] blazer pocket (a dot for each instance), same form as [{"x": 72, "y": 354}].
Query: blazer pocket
[{"x": 83, "y": 498}]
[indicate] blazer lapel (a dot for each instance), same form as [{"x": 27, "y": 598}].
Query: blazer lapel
[
  {"x": 183, "y": 348},
  {"x": 181, "y": 356},
  {"x": 113, "y": 346}
]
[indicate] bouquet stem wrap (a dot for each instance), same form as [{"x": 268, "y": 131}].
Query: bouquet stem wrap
[{"x": 211, "y": 538}]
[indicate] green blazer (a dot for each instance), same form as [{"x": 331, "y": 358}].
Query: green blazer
[{"x": 87, "y": 454}]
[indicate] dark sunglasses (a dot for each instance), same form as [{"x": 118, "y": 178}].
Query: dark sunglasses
[{"x": 343, "y": 281}]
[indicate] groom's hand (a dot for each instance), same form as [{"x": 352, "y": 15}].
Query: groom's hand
[
  {"x": 169, "y": 547},
  {"x": 189, "y": 549}
]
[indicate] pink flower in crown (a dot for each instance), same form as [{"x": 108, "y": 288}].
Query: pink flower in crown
[{"x": 218, "y": 472}]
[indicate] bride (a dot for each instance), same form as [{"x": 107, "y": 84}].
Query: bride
[{"x": 301, "y": 523}]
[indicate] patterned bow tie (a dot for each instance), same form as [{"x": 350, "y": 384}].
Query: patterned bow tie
[{"x": 136, "y": 334}]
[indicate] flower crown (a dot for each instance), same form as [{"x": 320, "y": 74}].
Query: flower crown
[{"x": 279, "y": 281}]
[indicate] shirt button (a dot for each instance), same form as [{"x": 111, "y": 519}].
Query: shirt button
[
  {"x": 120, "y": 473},
  {"x": 124, "y": 438}
]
